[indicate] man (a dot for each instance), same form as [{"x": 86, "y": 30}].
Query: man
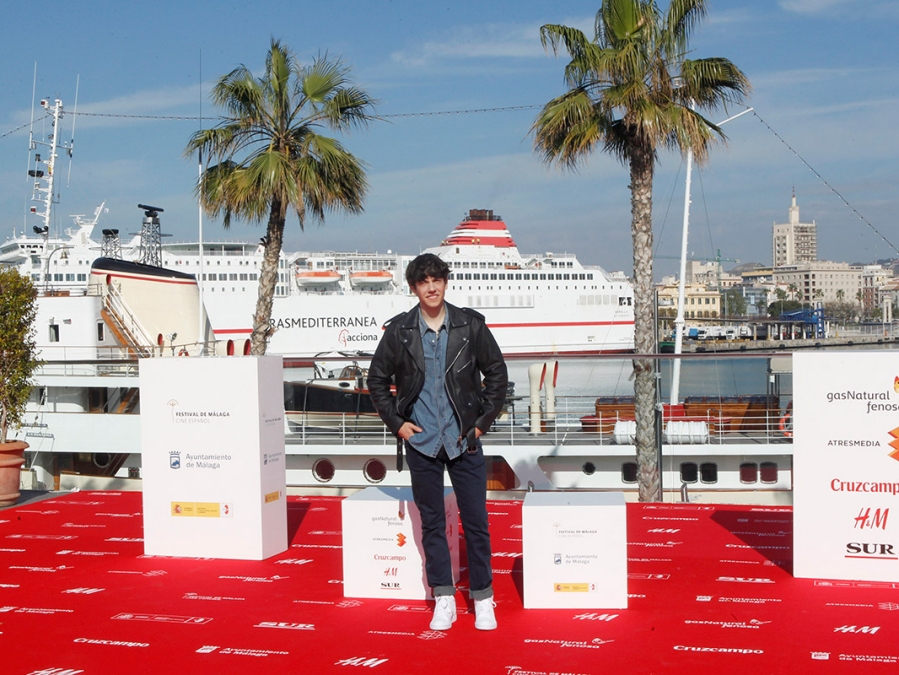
[{"x": 435, "y": 354}]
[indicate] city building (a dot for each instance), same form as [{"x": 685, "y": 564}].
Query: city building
[
  {"x": 794, "y": 242},
  {"x": 821, "y": 281}
]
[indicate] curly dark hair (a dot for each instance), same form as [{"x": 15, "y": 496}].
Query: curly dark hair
[{"x": 424, "y": 266}]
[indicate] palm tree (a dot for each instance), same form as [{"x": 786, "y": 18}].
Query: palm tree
[
  {"x": 631, "y": 92},
  {"x": 274, "y": 122}
]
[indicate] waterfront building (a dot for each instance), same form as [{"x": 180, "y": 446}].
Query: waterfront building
[
  {"x": 821, "y": 281},
  {"x": 699, "y": 301}
]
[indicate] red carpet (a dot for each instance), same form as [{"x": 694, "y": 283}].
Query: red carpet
[{"x": 710, "y": 592}]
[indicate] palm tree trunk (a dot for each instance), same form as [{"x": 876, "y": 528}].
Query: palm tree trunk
[
  {"x": 268, "y": 279},
  {"x": 641, "y": 170}
]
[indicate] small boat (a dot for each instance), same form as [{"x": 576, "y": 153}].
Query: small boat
[
  {"x": 336, "y": 397},
  {"x": 309, "y": 278},
  {"x": 373, "y": 278}
]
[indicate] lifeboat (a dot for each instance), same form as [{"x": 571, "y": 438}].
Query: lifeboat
[
  {"x": 317, "y": 278},
  {"x": 377, "y": 278}
]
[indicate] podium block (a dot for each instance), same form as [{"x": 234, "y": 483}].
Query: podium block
[
  {"x": 383, "y": 555},
  {"x": 212, "y": 457},
  {"x": 575, "y": 550}
]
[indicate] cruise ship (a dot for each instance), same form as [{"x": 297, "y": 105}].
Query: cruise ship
[{"x": 536, "y": 305}]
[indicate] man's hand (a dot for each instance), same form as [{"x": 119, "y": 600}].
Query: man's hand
[{"x": 408, "y": 430}]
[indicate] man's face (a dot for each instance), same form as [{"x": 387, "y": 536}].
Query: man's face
[{"x": 430, "y": 292}]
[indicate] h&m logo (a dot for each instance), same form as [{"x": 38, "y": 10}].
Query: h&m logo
[
  {"x": 869, "y": 630},
  {"x": 867, "y": 520}
]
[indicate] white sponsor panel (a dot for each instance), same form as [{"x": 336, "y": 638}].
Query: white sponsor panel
[
  {"x": 383, "y": 555},
  {"x": 575, "y": 550},
  {"x": 213, "y": 460},
  {"x": 846, "y": 465}
]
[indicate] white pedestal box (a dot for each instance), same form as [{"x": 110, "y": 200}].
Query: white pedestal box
[
  {"x": 575, "y": 550},
  {"x": 212, "y": 457},
  {"x": 383, "y": 555}
]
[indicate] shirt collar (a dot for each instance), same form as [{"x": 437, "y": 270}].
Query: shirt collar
[{"x": 423, "y": 326}]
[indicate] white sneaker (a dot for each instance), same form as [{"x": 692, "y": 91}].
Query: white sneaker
[
  {"x": 444, "y": 612},
  {"x": 484, "y": 619}
]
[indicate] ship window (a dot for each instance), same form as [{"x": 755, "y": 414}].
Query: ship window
[
  {"x": 689, "y": 472},
  {"x": 70, "y": 277},
  {"x": 101, "y": 332},
  {"x": 768, "y": 471},
  {"x": 374, "y": 471},
  {"x": 749, "y": 472},
  {"x": 629, "y": 472},
  {"x": 54, "y": 332},
  {"x": 254, "y": 277},
  {"x": 232, "y": 277},
  {"x": 468, "y": 276},
  {"x": 223, "y": 277},
  {"x": 502, "y": 277},
  {"x": 493, "y": 277},
  {"x": 82, "y": 277},
  {"x": 708, "y": 472},
  {"x": 477, "y": 276},
  {"x": 518, "y": 277}
]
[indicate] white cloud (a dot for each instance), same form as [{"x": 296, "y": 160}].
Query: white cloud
[
  {"x": 862, "y": 9},
  {"x": 489, "y": 41}
]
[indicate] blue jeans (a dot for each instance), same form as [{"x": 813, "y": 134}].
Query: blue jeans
[{"x": 468, "y": 474}]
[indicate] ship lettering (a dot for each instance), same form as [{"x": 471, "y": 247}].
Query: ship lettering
[{"x": 325, "y": 322}]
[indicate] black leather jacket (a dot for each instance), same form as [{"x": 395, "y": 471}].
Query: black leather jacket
[{"x": 471, "y": 350}]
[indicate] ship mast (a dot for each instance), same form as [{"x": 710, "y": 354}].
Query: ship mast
[{"x": 45, "y": 177}]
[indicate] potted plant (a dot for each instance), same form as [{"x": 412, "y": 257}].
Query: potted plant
[{"x": 18, "y": 360}]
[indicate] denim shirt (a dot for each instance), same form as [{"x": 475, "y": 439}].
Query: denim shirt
[{"x": 433, "y": 411}]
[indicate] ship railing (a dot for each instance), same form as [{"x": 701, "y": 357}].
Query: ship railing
[
  {"x": 79, "y": 366},
  {"x": 574, "y": 422}
]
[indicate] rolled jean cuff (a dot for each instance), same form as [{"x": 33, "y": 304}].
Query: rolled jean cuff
[
  {"x": 437, "y": 591},
  {"x": 481, "y": 595}
]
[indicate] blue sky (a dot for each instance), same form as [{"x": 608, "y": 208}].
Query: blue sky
[{"x": 825, "y": 77}]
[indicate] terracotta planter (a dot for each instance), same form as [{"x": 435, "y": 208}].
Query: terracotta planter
[{"x": 12, "y": 457}]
